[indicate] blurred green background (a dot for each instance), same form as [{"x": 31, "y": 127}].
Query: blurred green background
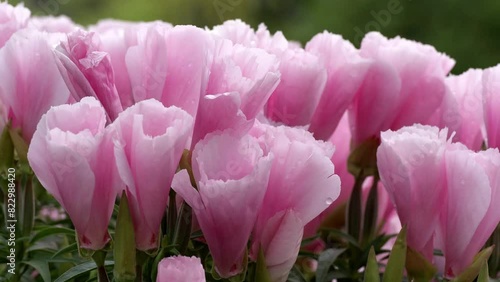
[{"x": 468, "y": 31}]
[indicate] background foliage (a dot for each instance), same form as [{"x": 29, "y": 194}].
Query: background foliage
[{"x": 468, "y": 31}]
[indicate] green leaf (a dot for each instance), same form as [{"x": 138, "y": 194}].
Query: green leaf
[
  {"x": 28, "y": 207},
  {"x": 325, "y": 260},
  {"x": 295, "y": 275},
  {"x": 124, "y": 249},
  {"x": 80, "y": 270},
  {"x": 336, "y": 233},
  {"x": 395, "y": 266},
  {"x": 371, "y": 271},
  {"x": 6, "y": 150},
  {"x": 42, "y": 267},
  {"x": 69, "y": 249},
  {"x": 473, "y": 270},
  {"x": 49, "y": 231},
  {"x": 20, "y": 145},
  {"x": 483, "y": 274},
  {"x": 261, "y": 272},
  {"x": 418, "y": 267}
]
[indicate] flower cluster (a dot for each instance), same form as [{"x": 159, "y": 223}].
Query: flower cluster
[{"x": 226, "y": 147}]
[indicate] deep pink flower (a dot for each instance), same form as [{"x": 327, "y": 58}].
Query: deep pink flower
[
  {"x": 88, "y": 71},
  {"x": 71, "y": 154},
  {"x": 180, "y": 269},
  {"x": 149, "y": 141}
]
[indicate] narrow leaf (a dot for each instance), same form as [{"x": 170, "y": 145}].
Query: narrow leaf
[
  {"x": 483, "y": 274},
  {"x": 49, "y": 231},
  {"x": 124, "y": 249},
  {"x": 261, "y": 272},
  {"x": 396, "y": 264},
  {"x": 473, "y": 270},
  {"x": 80, "y": 270},
  {"x": 371, "y": 272},
  {"x": 42, "y": 267},
  {"x": 325, "y": 260},
  {"x": 418, "y": 267}
]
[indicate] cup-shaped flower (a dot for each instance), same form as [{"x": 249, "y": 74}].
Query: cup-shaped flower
[
  {"x": 444, "y": 192},
  {"x": 162, "y": 66},
  {"x": 232, "y": 174},
  {"x": 411, "y": 167},
  {"x": 404, "y": 84},
  {"x": 471, "y": 214},
  {"x": 346, "y": 70},
  {"x": 302, "y": 184},
  {"x": 467, "y": 112},
  {"x": 303, "y": 79},
  {"x": 12, "y": 19},
  {"x": 491, "y": 98},
  {"x": 25, "y": 94},
  {"x": 149, "y": 140},
  {"x": 341, "y": 139},
  {"x": 51, "y": 24},
  {"x": 72, "y": 155},
  {"x": 180, "y": 269}
]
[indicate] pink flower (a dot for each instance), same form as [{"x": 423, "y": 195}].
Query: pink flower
[
  {"x": 59, "y": 24},
  {"x": 25, "y": 94},
  {"x": 441, "y": 190},
  {"x": 88, "y": 71},
  {"x": 117, "y": 38},
  {"x": 302, "y": 184},
  {"x": 232, "y": 175},
  {"x": 72, "y": 155},
  {"x": 345, "y": 73},
  {"x": 241, "y": 33},
  {"x": 303, "y": 79},
  {"x": 241, "y": 81},
  {"x": 162, "y": 66},
  {"x": 149, "y": 141},
  {"x": 12, "y": 19},
  {"x": 472, "y": 214},
  {"x": 411, "y": 166},
  {"x": 404, "y": 85},
  {"x": 467, "y": 91},
  {"x": 341, "y": 139},
  {"x": 180, "y": 269},
  {"x": 491, "y": 98}
]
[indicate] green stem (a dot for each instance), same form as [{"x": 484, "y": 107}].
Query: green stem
[
  {"x": 371, "y": 213},
  {"x": 354, "y": 208},
  {"x": 99, "y": 258}
]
